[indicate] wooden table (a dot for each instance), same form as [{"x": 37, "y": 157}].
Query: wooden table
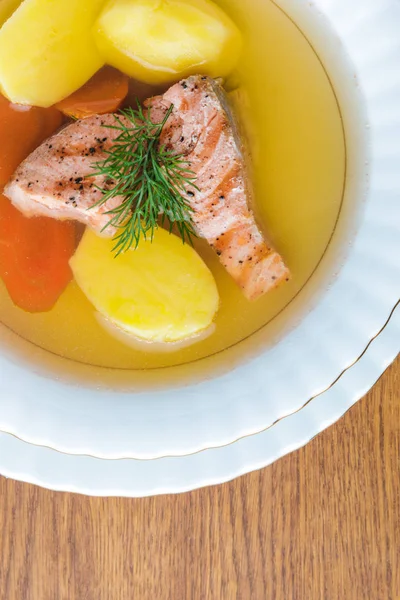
[{"x": 321, "y": 524}]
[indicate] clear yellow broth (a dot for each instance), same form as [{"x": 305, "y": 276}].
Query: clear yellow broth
[{"x": 294, "y": 127}]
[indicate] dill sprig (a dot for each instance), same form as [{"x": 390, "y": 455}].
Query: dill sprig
[{"x": 148, "y": 177}]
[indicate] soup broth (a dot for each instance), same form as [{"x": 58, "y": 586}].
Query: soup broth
[{"x": 293, "y": 124}]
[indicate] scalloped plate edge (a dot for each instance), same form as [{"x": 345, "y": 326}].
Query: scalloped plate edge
[{"x": 135, "y": 478}]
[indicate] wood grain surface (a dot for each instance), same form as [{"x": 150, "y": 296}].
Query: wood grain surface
[{"x": 321, "y": 524}]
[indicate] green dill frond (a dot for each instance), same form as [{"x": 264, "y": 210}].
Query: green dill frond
[{"x": 149, "y": 178}]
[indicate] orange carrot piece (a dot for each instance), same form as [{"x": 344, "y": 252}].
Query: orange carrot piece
[
  {"x": 34, "y": 253},
  {"x": 34, "y": 257},
  {"x": 104, "y": 93}
]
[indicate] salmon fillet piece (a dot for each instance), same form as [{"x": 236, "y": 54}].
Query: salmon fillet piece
[
  {"x": 57, "y": 180},
  {"x": 203, "y": 129}
]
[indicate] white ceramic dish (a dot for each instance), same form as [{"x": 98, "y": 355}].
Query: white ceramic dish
[
  {"x": 135, "y": 478},
  {"x": 82, "y": 410}
]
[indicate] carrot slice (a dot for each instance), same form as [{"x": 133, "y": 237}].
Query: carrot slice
[
  {"x": 104, "y": 93},
  {"x": 34, "y": 258},
  {"x": 34, "y": 253}
]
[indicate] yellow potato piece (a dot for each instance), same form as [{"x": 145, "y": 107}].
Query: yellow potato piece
[
  {"x": 47, "y": 50},
  {"x": 7, "y": 8},
  {"x": 158, "y": 41},
  {"x": 160, "y": 292}
]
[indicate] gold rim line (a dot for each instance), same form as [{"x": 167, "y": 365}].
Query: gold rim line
[
  {"x": 297, "y": 294},
  {"x": 243, "y": 437}
]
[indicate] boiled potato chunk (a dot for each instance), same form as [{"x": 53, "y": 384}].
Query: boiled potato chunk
[
  {"x": 7, "y": 8},
  {"x": 47, "y": 50},
  {"x": 158, "y": 41},
  {"x": 160, "y": 292}
]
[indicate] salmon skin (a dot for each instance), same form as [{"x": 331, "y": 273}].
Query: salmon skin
[{"x": 57, "y": 179}]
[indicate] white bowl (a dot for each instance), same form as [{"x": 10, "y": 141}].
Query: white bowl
[{"x": 85, "y": 410}]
